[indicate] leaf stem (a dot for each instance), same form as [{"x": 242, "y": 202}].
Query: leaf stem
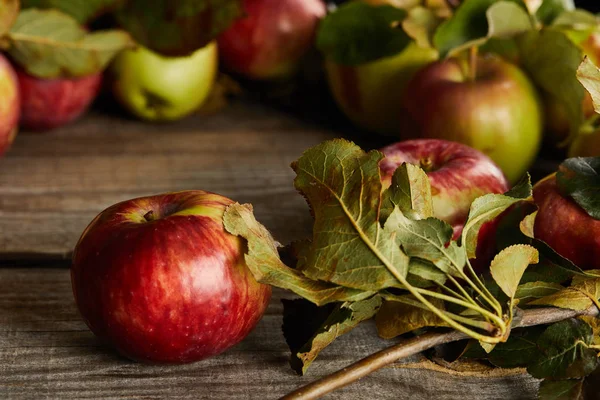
[
  {"x": 497, "y": 319},
  {"x": 407, "y": 348},
  {"x": 487, "y": 295},
  {"x": 462, "y": 290}
]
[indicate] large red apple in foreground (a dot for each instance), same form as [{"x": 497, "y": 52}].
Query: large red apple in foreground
[
  {"x": 161, "y": 280},
  {"x": 458, "y": 175},
  {"x": 565, "y": 226},
  {"x": 496, "y": 111},
  {"x": 9, "y": 104},
  {"x": 272, "y": 38},
  {"x": 51, "y": 103}
]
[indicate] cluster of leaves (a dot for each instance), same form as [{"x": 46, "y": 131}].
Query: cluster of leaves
[
  {"x": 380, "y": 253},
  {"x": 545, "y": 43},
  {"x": 52, "y": 38}
]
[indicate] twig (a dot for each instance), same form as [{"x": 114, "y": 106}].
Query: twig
[{"x": 416, "y": 345}]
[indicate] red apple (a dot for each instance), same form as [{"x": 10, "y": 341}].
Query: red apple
[
  {"x": 565, "y": 226},
  {"x": 160, "y": 279},
  {"x": 272, "y": 38},
  {"x": 50, "y": 103},
  {"x": 491, "y": 106},
  {"x": 458, "y": 175},
  {"x": 9, "y": 104}
]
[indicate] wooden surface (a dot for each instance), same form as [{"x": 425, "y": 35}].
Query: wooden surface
[{"x": 52, "y": 185}]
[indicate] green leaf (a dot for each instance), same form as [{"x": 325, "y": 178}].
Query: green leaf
[
  {"x": 428, "y": 239},
  {"x": 589, "y": 76},
  {"x": 475, "y": 21},
  {"x": 551, "y": 59},
  {"x": 309, "y": 329},
  {"x": 349, "y": 247},
  {"x": 571, "y": 389},
  {"x": 82, "y": 11},
  {"x": 579, "y": 178},
  {"x": 423, "y": 273},
  {"x": 519, "y": 350},
  {"x": 508, "y": 267},
  {"x": 594, "y": 323},
  {"x": 536, "y": 290},
  {"x": 405, "y": 314},
  {"x": 421, "y": 24},
  {"x": 46, "y": 51},
  {"x": 177, "y": 27},
  {"x": 578, "y": 20},
  {"x": 564, "y": 351},
  {"x": 263, "y": 261},
  {"x": 410, "y": 191},
  {"x": 551, "y": 9},
  {"x": 358, "y": 33},
  {"x": 486, "y": 208},
  {"x": 9, "y": 10},
  {"x": 568, "y": 298}
]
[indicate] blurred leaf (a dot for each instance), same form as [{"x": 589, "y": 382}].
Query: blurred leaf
[
  {"x": 571, "y": 389},
  {"x": 487, "y": 208},
  {"x": 410, "y": 191},
  {"x": 358, "y": 33},
  {"x": 82, "y": 11},
  {"x": 46, "y": 51},
  {"x": 263, "y": 261},
  {"x": 551, "y": 9},
  {"x": 475, "y": 21},
  {"x": 589, "y": 76},
  {"x": 342, "y": 185},
  {"x": 421, "y": 25},
  {"x": 564, "y": 351},
  {"x": 405, "y": 314},
  {"x": 9, "y": 10},
  {"x": 551, "y": 59},
  {"x": 177, "y": 27},
  {"x": 309, "y": 329},
  {"x": 579, "y": 20},
  {"x": 579, "y": 178}
]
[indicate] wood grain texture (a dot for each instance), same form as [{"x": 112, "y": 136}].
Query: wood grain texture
[
  {"x": 46, "y": 351},
  {"x": 53, "y": 184}
]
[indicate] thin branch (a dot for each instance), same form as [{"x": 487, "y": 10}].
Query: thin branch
[{"x": 416, "y": 345}]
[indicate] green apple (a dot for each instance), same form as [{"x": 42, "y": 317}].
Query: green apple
[
  {"x": 158, "y": 88},
  {"x": 370, "y": 94},
  {"x": 493, "y": 108}
]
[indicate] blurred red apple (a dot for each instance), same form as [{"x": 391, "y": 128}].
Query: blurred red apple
[
  {"x": 458, "y": 175},
  {"x": 272, "y": 38},
  {"x": 491, "y": 106},
  {"x": 565, "y": 226},
  {"x": 160, "y": 279},
  {"x": 51, "y": 103},
  {"x": 9, "y": 104}
]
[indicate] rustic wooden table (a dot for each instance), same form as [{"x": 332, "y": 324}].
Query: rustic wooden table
[{"x": 52, "y": 185}]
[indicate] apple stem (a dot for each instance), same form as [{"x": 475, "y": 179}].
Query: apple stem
[
  {"x": 473, "y": 51},
  {"x": 407, "y": 348},
  {"x": 149, "y": 216}
]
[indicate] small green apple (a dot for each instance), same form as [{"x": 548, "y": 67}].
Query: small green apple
[
  {"x": 158, "y": 88},
  {"x": 371, "y": 94}
]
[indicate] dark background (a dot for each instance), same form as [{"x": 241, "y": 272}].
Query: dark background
[{"x": 591, "y": 5}]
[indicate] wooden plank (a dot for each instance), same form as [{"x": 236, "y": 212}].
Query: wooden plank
[
  {"x": 46, "y": 351},
  {"x": 53, "y": 184}
]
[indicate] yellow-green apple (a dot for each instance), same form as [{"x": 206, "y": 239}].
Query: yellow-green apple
[
  {"x": 158, "y": 88},
  {"x": 371, "y": 94},
  {"x": 491, "y": 106},
  {"x": 565, "y": 226},
  {"x": 270, "y": 41},
  {"x": 160, "y": 279},
  {"x": 9, "y": 104},
  {"x": 51, "y": 103},
  {"x": 458, "y": 175},
  {"x": 405, "y": 4}
]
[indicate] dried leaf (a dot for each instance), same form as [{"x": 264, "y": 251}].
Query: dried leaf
[
  {"x": 349, "y": 247},
  {"x": 410, "y": 191},
  {"x": 263, "y": 261},
  {"x": 309, "y": 329},
  {"x": 45, "y": 51},
  {"x": 405, "y": 314},
  {"x": 589, "y": 76},
  {"x": 508, "y": 267}
]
